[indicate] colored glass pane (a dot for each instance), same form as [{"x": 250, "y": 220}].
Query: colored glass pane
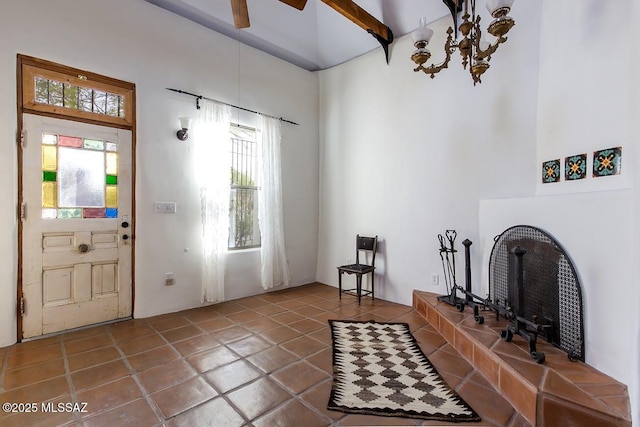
[
  {"x": 69, "y": 141},
  {"x": 111, "y": 146},
  {"x": 42, "y": 90},
  {"x": 111, "y": 213},
  {"x": 112, "y": 165},
  {"x": 92, "y": 144},
  {"x": 69, "y": 213},
  {"x": 48, "y": 139},
  {"x": 113, "y": 104},
  {"x": 112, "y": 196},
  {"x": 85, "y": 99},
  {"x": 49, "y": 195},
  {"x": 112, "y": 180},
  {"x": 49, "y": 213},
  {"x": 56, "y": 89},
  {"x": 99, "y": 102},
  {"x": 48, "y": 176},
  {"x": 49, "y": 157},
  {"x": 81, "y": 178},
  {"x": 70, "y": 96},
  {"x": 93, "y": 213}
]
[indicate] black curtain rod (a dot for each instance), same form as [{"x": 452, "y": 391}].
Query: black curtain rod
[{"x": 199, "y": 97}]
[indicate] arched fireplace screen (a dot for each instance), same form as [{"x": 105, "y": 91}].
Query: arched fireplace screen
[{"x": 552, "y": 293}]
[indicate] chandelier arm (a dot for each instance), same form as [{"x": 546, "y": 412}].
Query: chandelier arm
[
  {"x": 449, "y": 48},
  {"x": 482, "y": 54}
]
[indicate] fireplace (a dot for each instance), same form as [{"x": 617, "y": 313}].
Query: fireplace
[{"x": 551, "y": 298}]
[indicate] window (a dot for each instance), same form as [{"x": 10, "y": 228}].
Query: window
[
  {"x": 52, "y": 92},
  {"x": 79, "y": 177},
  {"x": 53, "y": 89},
  {"x": 243, "y": 207}
]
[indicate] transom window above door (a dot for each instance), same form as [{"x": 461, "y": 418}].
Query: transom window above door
[
  {"x": 79, "y": 177},
  {"x": 67, "y": 95},
  {"x": 56, "y": 90}
]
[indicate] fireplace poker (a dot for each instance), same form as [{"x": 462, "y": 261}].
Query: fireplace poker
[{"x": 447, "y": 247}]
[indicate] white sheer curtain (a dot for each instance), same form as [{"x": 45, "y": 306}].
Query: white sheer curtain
[
  {"x": 274, "y": 267},
  {"x": 212, "y": 161}
]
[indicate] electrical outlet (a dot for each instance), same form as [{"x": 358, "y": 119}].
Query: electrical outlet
[
  {"x": 435, "y": 279},
  {"x": 168, "y": 279}
]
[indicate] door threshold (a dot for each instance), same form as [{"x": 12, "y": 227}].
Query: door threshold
[{"x": 79, "y": 328}]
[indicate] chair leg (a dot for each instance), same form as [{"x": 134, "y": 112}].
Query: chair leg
[
  {"x": 359, "y": 287},
  {"x": 339, "y": 284},
  {"x": 373, "y": 289}
]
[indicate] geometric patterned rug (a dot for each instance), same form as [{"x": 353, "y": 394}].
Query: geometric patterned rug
[{"x": 379, "y": 369}]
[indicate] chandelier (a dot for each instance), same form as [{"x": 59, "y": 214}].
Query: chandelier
[{"x": 472, "y": 47}]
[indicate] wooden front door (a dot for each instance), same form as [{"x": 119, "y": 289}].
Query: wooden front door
[{"x": 77, "y": 224}]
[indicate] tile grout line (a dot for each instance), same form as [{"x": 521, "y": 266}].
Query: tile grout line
[
  {"x": 3, "y": 368},
  {"x": 134, "y": 377},
  {"x": 263, "y": 375},
  {"x": 201, "y": 374},
  {"x": 72, "y": 389},
  {"x": 219, "y": 392}
]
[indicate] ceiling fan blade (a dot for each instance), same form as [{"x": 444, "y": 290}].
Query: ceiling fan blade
[
  {"x": 240, "y": 13},
  {"x": 298, "y": 4}
]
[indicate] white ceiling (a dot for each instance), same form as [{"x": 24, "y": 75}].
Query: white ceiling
[{"x": 317, "y": 37}]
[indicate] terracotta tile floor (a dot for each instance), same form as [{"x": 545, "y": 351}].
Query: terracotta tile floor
[{"x": 257, "y": 361}]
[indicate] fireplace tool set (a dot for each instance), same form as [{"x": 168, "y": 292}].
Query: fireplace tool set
[{"x": 513, "y": 311}]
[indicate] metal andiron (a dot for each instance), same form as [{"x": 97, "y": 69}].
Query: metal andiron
[{"x": 532, "y": 284}]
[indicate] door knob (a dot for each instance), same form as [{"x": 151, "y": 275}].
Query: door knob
[
  {"x": 125, "y": 224},
  {"x": 125, "y": 237},
  {"x": 83, "y": 248}
]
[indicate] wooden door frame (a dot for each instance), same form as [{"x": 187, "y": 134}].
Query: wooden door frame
[{"x": 23, "y": 107}]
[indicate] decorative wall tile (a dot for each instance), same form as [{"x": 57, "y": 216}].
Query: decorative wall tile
[
  {"x": 607, "y": 162},
  {"x": 575, "y": 167},
  {"x": 551, "y": 171}
]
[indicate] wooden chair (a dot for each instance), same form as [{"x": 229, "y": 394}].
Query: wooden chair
[{"x": 365, "y": 245}]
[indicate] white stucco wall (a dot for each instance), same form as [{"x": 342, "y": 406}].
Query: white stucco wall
[
  {"x": 407, "y": 157},
  {"x": 588, "y": 100},
  {"x": 584, "y": 97},
  {"x": 141, "y": 43}
]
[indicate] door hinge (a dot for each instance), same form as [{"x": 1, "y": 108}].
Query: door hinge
[
  {"x": 23, "y": 306},
  {"x": 23, "y": 211},
  {"x": 22, "y": 138}
]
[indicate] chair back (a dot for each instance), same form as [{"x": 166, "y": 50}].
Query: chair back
[{"x": 366, "y": 244}]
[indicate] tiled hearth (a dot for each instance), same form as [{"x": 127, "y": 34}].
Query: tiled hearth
[{"x": 558, "y": 392}]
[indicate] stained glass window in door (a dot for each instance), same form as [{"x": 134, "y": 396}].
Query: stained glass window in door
[{"x": 79, "y": 177}]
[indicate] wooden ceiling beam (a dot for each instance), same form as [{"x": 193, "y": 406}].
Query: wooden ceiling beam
[
  {"x": 240, "y": 13},
  {"x": 360, "y": 17},
  {"x": 298, "y": 4}
]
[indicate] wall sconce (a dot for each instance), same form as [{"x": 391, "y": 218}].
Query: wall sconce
[
  {"x": 185, "y": 124},
  {"x": 474, "y": 50}
]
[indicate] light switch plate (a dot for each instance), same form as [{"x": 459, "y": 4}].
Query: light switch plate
[{"x": 164, "y": 207}]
